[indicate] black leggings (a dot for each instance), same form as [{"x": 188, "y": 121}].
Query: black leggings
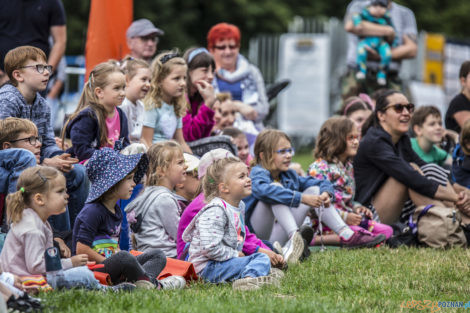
[{"x": 123, "y": 266}]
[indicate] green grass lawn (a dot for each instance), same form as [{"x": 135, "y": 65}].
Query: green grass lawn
[
  {"x": 304, "y": 158},
  {"x": 376, "y": 280}
]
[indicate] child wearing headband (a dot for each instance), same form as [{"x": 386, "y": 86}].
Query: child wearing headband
[{"x": 199, "y": 119}]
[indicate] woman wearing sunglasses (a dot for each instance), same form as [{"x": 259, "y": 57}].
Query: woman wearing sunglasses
[
  {"x": 234, "y": 74},
  {"x": 387, "y": 170}
]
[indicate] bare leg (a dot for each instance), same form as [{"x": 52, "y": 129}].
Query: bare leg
[{"x": 389, "y": 200}]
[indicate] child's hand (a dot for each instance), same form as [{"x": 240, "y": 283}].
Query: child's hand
[
  {"x": 325, "y": 197},
  {"x": 241, "y": 254},
  {"x": 79, "y": 260},
  {"x": 64, "y": 250},
  {"x": 276, "y": 259},
  {"x": 206, "y": 91},
  {"x": 18, "y": 283},
  {"x": 311, "y": 200},
  {"x": 353, "y": 219},
  {"x": 365, "y": 211}
]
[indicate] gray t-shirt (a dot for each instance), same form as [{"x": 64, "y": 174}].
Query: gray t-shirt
[{"x": 403, "y": 20}]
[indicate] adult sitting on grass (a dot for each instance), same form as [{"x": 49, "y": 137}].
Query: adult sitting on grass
[{"x": 387, "y": 170}]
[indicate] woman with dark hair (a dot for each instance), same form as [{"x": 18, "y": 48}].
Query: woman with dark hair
[
  {"x": 199, "y": 119},
  {"x": 387, "y": 170}
]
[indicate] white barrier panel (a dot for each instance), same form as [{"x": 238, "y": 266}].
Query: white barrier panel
[{"x": 304, "y": 106}]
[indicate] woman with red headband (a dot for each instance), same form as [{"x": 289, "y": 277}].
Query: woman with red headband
[{"x": 236, "y": 75}]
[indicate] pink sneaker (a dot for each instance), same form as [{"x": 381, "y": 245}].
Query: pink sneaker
[{"x": 362, "y": 239}]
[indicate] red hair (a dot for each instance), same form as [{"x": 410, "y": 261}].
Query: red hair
[{"x": 222, "y": 31}]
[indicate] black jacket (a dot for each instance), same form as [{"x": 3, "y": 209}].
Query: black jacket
[{"x": 378, "y": 159}]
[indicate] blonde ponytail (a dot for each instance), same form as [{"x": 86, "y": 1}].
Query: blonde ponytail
[{"x": 31, "y": 181}]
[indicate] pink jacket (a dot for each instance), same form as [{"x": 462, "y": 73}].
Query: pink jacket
[
  {"x": 198, "y": 122},
  {"x": 252, "y": 243}
]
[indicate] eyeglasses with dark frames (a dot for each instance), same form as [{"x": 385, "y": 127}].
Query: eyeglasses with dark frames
[
  {"x": 32, "y": 140},
  {"x": 40, "y": 67},
  {"x": 399, "y": 107}
]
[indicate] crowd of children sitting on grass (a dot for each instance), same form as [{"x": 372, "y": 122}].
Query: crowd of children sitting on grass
[{"x": 123, "y": 195}]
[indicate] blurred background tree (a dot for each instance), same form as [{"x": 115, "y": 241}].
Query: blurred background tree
[{"x": 186, "y": 23}]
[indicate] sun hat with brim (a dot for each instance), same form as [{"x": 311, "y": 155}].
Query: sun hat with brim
[{"x": 107, "y": 167}]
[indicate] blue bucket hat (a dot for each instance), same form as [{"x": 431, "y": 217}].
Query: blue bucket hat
[{"x": 107, "y": 167}]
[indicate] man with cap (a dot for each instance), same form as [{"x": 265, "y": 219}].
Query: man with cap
[
  {"x": 404, "y": 30},
  {"x": 142, "y": 39}
]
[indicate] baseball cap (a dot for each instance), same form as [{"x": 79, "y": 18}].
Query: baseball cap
[{"x": 143, "y": 27}]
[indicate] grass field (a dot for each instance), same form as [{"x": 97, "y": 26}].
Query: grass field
[{"x": 378, "y": 280}]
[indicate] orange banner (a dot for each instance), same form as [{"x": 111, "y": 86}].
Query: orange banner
[{"x": 107, "y": 25}]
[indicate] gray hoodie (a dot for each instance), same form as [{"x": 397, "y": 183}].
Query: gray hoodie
[
  {"x": 212, "y": 234},
  {"x": 160, "y": 221}
]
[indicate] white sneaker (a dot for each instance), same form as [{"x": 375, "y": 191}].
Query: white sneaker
[
  {"x": 292, "y": 251},
  {"x": 253, "y": 283},
  {"x": 360, "y": 76},
  {"x": 381, "y": 81},
  {"x": 277, "y": 246},
  {"x": 173, "y": 282}
]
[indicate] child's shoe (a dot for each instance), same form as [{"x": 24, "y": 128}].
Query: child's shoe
[
  {"x": 122, "y": 287},
  {"x": 293, "y": 249},
  {"x": 172, "y": 282},
  {"x": 381, "y": 81},
  {"x": 362, "y": 239},
  {"x": 360, "y": 76},
  {"x": 307, "y": 233},
  {"x": 144, "y": 284},
  {"x": 276, "y": 273},
  {"x": 277, "y": 247},
  {"x": 254, "y": 283}
]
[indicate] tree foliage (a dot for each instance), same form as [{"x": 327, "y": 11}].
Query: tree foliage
[{"x": 186, "y": 22}]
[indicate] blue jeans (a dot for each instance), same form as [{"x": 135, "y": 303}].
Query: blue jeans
[
  {"x": 80, "y": 277},
  {"x": 255, "y": 265},
  {"x": 78, "y": 186}
]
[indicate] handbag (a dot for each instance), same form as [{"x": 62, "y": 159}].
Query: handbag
[{"x": 438, "y": 227}]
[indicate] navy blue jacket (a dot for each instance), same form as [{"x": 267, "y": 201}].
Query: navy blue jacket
[
  {"x": 290, "y": 194},
  {"x": 85, "y": 133}
]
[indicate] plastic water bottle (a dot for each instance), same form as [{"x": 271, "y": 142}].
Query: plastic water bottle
[{"x": 54, "y": 272}]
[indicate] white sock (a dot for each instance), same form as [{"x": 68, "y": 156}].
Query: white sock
[
  {"x": 330, "y": 217},
  {"x": 346, "y": 233}
]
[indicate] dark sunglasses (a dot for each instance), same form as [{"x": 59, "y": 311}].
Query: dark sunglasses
[
  {"x": 231, "y": 47},
  {"x": 40, "y": 67},
  {"x": 400, "y": 107},
  {"x": 32, "y": 140}
]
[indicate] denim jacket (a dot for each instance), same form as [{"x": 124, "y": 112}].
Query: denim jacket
[
  {"x": 290, "y": 194},
  {"x": 12, "y": 163}
]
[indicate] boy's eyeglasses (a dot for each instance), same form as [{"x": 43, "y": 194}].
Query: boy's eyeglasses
[
  {"x": 400, "y": 107},
  {"x": 285, "y": 151},
  {"x": 40, "y": 67},
  {"x": 32, "y": 140},
  {"x": 231, "y": 47}
]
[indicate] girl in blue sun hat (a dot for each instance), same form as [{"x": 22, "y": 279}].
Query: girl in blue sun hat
[{"x": 113, "y": 177}]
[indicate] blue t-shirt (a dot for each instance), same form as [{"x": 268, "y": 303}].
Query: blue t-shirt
[
  {"x": 98, "y": 228},
  {"x": 164, "y": 122}
]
